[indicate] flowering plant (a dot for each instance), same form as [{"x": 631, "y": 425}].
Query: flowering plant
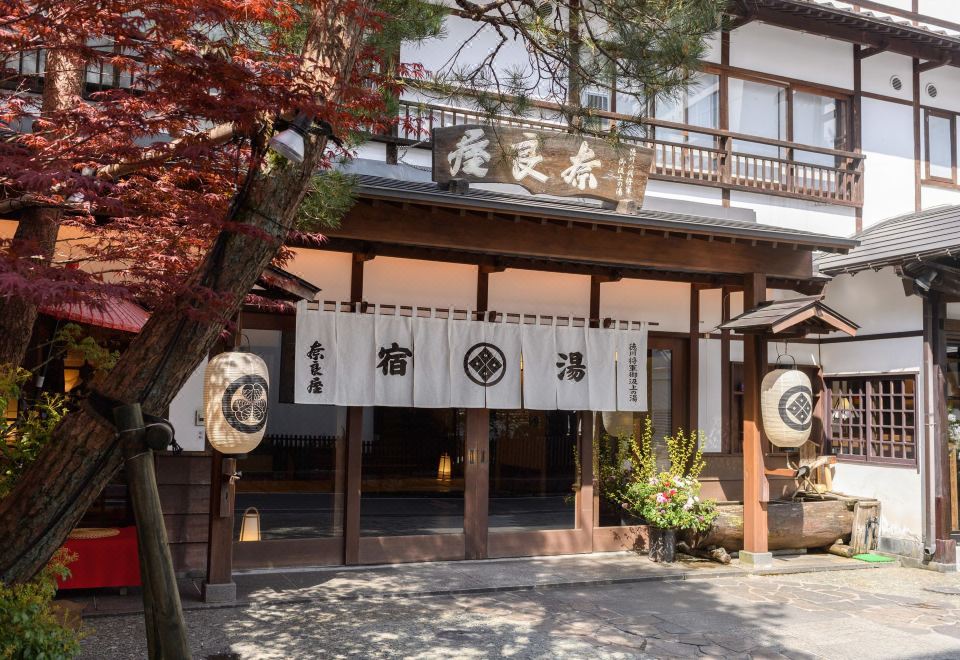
[
  {"x": 670, "y": 502},
  {"x": 671, "y": 499},
  {"x": 953, "y": 425}
]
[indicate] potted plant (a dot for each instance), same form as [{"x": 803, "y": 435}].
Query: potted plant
[
  {"x": 622, "y": 460},
  {"x": 670, "y": 500}
]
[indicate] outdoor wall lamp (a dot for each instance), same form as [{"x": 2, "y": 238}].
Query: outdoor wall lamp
[{"x": 289, "y": 142}]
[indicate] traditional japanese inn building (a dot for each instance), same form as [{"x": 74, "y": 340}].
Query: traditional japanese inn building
[{"x": 503, "y": 292}]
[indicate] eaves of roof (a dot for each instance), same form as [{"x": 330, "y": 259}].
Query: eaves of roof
[{"x": 428, "y": 193}]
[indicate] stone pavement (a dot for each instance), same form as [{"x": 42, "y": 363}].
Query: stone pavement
[{"x": 880, "y": 613}]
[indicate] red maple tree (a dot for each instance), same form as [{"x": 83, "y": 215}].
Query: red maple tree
[{"x": 140, "y": 141}]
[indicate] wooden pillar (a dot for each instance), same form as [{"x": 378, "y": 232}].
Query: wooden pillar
[
  {"x": 856, "y": 119},
  {"x": 725, "y": 374},
  {"x": 354, "y": 460},
  {"x": 351, "y": 523},
  {"x": 694, "y": 362},
  {"x": 477, "y": 478},
  {"x": 724, "y": 118},
  {"x": 587, "y": 515},
  {"x": 917, "y": 196},
  {"x": 755, "y": 488},
  {"x": 937, "y": 479},
  {"x": 483, "y": 289}
]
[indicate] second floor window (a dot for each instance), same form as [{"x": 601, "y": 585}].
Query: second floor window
[{"x": 940, "y": 146}]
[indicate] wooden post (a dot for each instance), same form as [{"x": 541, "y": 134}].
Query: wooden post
[
  {"x": 693, "y": 363},
  {"x": 477, "y": 497},
  {"x": 351, "y": 523},
  {"x": 219, "y": 586},
  {"x": 586, "y": 514},
  {"x": 755, "y": 488},
  {"x": 163, "y": 612}
]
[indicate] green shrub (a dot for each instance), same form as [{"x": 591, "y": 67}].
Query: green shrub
[{"x": 29, "y": 627}]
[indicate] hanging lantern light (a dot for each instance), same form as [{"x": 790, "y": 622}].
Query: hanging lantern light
[
  {"x": 235, "y": 396},
  {"x": 617, "y": 424},
  {"x": 786, "y": 403},
  {"x": 444, "y": 472}
]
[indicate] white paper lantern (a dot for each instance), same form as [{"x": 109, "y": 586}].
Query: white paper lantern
[
  {"x": 786, "y": 402},
  {"x": 235, "y": 396}
]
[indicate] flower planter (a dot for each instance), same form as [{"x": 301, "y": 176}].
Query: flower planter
[{"x": 663, "y": 545}]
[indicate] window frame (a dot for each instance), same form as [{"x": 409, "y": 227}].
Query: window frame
[
  {"x": 869, "y": 456},
  {"x": 952, "y": 118}
]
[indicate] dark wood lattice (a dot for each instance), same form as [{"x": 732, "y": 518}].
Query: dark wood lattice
[{"x": 874, "y": 419}]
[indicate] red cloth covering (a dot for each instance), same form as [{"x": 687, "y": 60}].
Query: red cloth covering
[{"x": 108, "y": 562}]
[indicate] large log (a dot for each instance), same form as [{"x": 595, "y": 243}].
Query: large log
[{"x": 791, "y": 525}]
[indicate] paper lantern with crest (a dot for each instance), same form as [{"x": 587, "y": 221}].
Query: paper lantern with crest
[
  {"x": 235, "y": 397},
  {"x": 786, "y": 403}
]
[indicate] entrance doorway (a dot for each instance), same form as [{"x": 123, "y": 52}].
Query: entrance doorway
[{"x": 395, "y": 485}]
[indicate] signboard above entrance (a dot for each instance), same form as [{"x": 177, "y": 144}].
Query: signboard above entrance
[{"x": 543, "y": 162}]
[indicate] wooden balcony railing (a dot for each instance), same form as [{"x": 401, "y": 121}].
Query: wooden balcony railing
[{"x": 685, "y": 154}]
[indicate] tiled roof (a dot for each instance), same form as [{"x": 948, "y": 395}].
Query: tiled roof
[{"x": 912, "y": 237}]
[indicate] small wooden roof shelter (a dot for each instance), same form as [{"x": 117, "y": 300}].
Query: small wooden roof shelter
[{"x": 796, "y": 317}]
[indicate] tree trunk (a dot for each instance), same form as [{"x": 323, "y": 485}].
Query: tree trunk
[
  {"x": 70, "y": 472},
  {"x": 36, "y": 235},
  {"x": 791, "y": 525}
]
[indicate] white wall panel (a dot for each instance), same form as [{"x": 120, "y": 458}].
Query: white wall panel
[
  {"x": 419, "y": 282},
  {"x": 888, "y": 146},
  {"x": 537, "y": 292},
  {"x": 184, "y": 408},
  {"x": 793, "y": 54},
  {"x": 936, "y": 196},
  {"x": 948, "y": 10},
  {"x": 946, "y": 79},
  {"x": 798, "y": 214},
  {"x": 877, "y": 70},
  {"x": 667, "y": 303},
  {"x": 875, "y": 301},
  {"x": 328, "y": 270},
  {"x": 709, "y": 401},
  {"x": 897, "y": 488}
]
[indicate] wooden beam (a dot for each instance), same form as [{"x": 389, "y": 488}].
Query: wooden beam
[
  {"x": 931, "y": 65},
  {"x": 870, "y": 52},
  {"x": 479, "y": 233},
  {"x": 755, "y": 487}
]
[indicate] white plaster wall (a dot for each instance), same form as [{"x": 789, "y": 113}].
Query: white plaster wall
[
  {"x": 536, "y": 292},
  {"x": 797, "y": 213},
  {"x": 947, "y": 81},
  {"x": 875, "y": 301},
  {"x": 183, "y": 409},
  {"x": 667, "y": 303},
  {"x": 946, "y": 9},
  {"x": 288, "y": 418},
  {"x": 877, "y": 70},
  {"x": 888, "y": 145},
  {"x": 931, "y": 196},
  {"x": 371, "y": 150},
  {"x": 419, "y": 282},
  {"x": 899, "y": 490},
  {"x": 686, "y": 192},
  {"x": 711, "y": 310},
  {"x": 328, "y": 270},
  {"x": 709, "y": 401},
  {"x": 793, "y": 54}
]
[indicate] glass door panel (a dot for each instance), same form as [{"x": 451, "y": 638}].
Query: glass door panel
[
  {"x": 412, "y": 472},
  {"x": 533, "y": 470}
]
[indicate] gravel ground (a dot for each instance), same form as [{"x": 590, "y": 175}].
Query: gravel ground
[{"x": 885, "y": 613}]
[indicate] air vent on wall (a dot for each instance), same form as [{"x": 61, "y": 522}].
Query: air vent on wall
[
  {"x": 896, "y": 83},
  {"x": 932, "y": 90}
]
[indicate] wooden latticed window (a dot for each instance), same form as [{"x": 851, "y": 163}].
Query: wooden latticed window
[{"x": 873, "y": 419}]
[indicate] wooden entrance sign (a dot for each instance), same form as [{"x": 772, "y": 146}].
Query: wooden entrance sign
[{"x": 543, "y": 162}]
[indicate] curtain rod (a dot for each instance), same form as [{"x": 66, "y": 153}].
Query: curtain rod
[{"x": 474, "y": 315}]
